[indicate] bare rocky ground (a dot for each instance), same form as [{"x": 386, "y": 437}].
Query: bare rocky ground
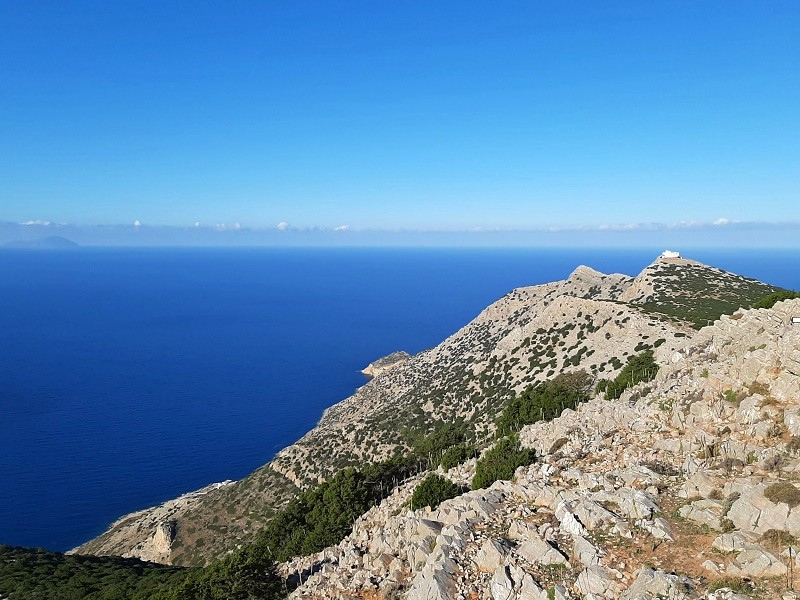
[
  {"x": 686, "y": 487},
  {"x": 590, "y": 321}
]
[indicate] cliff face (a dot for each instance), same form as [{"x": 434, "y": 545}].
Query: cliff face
[
  {"x": 590, "y": 321},
  {"x": 684, "y": 485}
]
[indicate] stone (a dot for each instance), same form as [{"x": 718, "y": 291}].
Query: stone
[
  {"x": 435, "y": 582},
  {"x": 570, "y": 524},
  {"x": 491, "y": 554},
  {"x": 700, "y": 485},
  {"x": 651, "y": 584},
  {"x": 734, "y": 542},
  {"x": 703, "y": 512},
  {"x": 755, "y": 561},
  {"x": 791, "y": 418},
  {"x": 164, "y": 536},
  {"x": 536, "y": 551},
  {"x": 597, "y": 580},
  {"x": 710, "y": 565},
  {"x": 586, "y": 553},
  {"x": 530, "y": 590},
  {"x": 501, "y": 586}
]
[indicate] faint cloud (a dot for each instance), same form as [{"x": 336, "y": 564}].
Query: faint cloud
[
  {"x": 342, "y": 228},
  {"x": 283, "y": 226},
  {"x": 721, "y": 221}
]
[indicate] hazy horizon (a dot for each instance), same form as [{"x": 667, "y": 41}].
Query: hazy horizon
[{"x": 652, "y": 235}]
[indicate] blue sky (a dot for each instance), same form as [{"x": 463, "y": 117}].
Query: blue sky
[{"x": 405, "y": 115}]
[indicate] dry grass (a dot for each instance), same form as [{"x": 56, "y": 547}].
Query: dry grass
[{"x": 783, "y": 492}]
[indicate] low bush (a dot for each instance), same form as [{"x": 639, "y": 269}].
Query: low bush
[
  {"x": 432, "y": 491},
  {"x": 501, "y": 461}
]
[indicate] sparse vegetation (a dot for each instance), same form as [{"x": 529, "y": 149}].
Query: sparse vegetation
[
  {"x": 699, "y": 295},
  {"x": 737, "y": 584}
]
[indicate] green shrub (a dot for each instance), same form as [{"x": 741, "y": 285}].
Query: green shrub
[
  {"x": 429, "y": 449},
  {"x": 783, "y": 492},
  {"x": 455, "y": 455},
  {"x": 770, "y": 300},
  {"x": 501, "y": 461},
  {"x": 432, "y": 491},
  {"x": 544, "y": 401},
  {"x": 639, "y": 368}
]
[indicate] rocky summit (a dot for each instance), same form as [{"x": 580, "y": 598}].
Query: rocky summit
[{"x": 680, "y": 488}]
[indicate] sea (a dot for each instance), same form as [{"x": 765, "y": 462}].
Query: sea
[{"x": 129, "y": 376}]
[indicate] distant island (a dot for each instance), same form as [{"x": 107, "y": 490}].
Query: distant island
[{"x": 53, "y": 242}]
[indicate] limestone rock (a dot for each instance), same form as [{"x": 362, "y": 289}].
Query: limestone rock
[
  {"x": 597, "y": 581},
  {"x": 755, "y": 561},
  {"x": 490, "y": 556},
  {"x": 651, "y": 584}
]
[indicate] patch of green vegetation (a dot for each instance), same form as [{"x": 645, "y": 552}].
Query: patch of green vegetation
[
  {"x": 36, "y": 573},
  {"x": 771, "y": 300},
  {"x": 545, "y": 401},
  {"x": 501, "y": 461},
  {"x": 432, "y": 491},
  {"x": 323, "y": 516},
  {"x": 455, "y": 455},
  {"x": 730, "y": 396},
  {"x": 29, "y": 573},
  {"x": 431, "y": 448},
  {"x": 737, "y": 584},
  {"x": 639, "y": 368}
]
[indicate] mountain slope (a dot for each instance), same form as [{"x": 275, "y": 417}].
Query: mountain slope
[{"x": 590, "y": 321}]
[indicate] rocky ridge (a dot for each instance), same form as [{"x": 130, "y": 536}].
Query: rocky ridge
[
  {"x": 527, "y": 336},
  {"x": 667, "y": 493}
]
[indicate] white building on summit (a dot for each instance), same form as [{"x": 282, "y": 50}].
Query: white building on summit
[{"x": 670, "y": 254}]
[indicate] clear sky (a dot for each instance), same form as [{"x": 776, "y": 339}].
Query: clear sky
[{"x": 400, "y": 115}]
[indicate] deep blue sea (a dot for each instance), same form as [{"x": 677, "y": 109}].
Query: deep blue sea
[{"x": 130, "y": 376}]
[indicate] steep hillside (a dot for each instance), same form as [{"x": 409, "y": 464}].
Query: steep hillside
[
  {"x": 592, "y": 321},
  {"x": 693, "y": 292},
  {"x": 684, "y": 488}
]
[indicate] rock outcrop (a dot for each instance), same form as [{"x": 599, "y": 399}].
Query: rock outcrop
[{"x": 388, "y": 362}]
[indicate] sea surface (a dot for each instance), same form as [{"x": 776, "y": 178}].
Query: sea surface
[{"x": 131, "y": 376}]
